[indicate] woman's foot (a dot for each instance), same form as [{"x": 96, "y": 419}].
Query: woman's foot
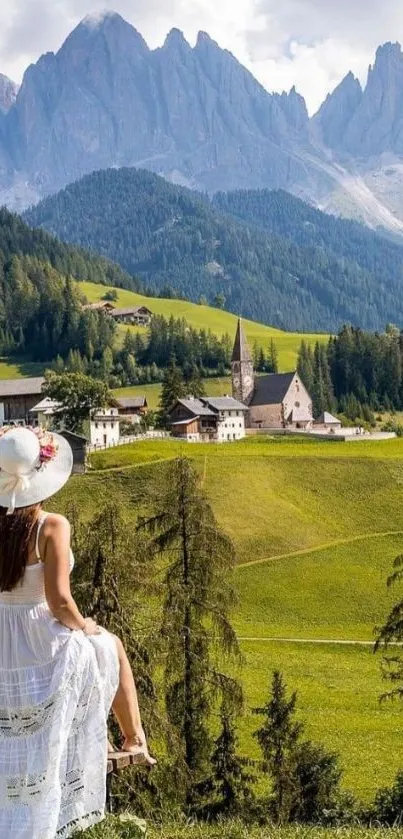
[{"x": 137, "y": 747}]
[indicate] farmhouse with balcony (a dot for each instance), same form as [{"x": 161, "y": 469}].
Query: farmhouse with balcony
[
  {"x": 208, "y": 419},
  {"x": 275, "y": 400},
  {"x": 134, "y": 315},
  {"x": 102, "y": 306},
  {"x": 132, "y": 408},
  {"x": 17, "y": 397}
]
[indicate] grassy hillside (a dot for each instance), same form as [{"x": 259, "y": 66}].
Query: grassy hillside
[
  {"x": 316, "y": 527},
  {"x": 206, "y": 317}
]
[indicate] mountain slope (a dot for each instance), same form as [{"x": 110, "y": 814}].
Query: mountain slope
[
  {"x": 280, "y": 212},
  {"x": 16, "y": 238},
  {"x": 168, "y": 235}
]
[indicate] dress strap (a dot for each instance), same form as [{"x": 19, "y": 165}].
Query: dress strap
[{"x": 41, "y": 521}]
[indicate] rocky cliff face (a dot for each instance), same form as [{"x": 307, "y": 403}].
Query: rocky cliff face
[
  {"x": 199, "y": 118},
  {"x": 336, "y": 112},
  {"x": 8, "y": 93}
]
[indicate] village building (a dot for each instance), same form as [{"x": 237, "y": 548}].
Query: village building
[
  {"x": 132, "y": 409},
  {"x": 101, "y": 429},
  {"x": 134, "y": 315},
  {"x": 104, "y": 427},
  {"x": 274, "y": 400},
  {"x": 102, "y": 306},
  {"x": 17, "y": 397},
  {"x": 79, "y": 447},
  {"x": 328, "y": 422},
  {"x": 208, "y": 419}
]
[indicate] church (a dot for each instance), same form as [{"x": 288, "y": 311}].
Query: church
[{"x": 274, "y": 400}]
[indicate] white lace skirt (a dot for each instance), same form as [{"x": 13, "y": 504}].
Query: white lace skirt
[{"x": 56, "y": 690}]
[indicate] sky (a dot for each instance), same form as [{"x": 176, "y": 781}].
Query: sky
[{"x": 311, "y": 44}]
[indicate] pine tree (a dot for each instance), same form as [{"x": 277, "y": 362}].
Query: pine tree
[
  {"x": 194, "y": 381},
  {"x": 173, "y": 388},
  {"x": 278, "y": 738},
  {"x": 305, "y": 366},
  {"x": 195, "y": 629},
  {"x": 272, "y": 358},
  {"x": 261, "y": 360},
  {"x": 230, "y": 782}
]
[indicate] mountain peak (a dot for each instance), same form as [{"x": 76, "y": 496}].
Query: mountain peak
[
  {"x": 176, "y": 40},
  {"x": 389, "y": 50},
  {"x": 205, "y": 41},
  {"x": 94, "y": 20}
]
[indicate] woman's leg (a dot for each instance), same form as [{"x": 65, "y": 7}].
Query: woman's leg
[{"x": 126, "y": 708}]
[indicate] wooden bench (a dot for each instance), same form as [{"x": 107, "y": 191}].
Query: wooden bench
[
  {"x": 116, "y": 762},
  {"x": 119, "y": 760}
]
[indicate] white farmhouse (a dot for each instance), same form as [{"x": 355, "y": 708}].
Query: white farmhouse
[
  {"x": 208, "y": 419},
  {"x": 230, "y": 417},
  {"x": 101, "y": 429},
  {"x": 105, "y": 427}
]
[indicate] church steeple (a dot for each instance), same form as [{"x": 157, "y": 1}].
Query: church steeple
[
  {"x": 243, "y": 377},
  {"x": 241, "y": 351}
]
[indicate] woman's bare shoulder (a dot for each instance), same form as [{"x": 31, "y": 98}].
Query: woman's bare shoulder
[{"x": 55, "y": 524}]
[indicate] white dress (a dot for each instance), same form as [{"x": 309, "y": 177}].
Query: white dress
[{"x": 56, "y": 690}]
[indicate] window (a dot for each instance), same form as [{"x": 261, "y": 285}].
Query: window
[
  {"x": 297, "y": 404},
  {"x": 96, "y": 425},
  {"x": 112, "y": 425},
  {"x": 104, "y": 424}
]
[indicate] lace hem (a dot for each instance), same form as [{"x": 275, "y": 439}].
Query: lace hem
[{"x": 82, "y": 823}]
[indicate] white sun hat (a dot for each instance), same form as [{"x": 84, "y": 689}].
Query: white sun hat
[{"x": 34, "y": 465}]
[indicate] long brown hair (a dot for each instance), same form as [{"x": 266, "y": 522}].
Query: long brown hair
[{"x": 16, "y": 533}]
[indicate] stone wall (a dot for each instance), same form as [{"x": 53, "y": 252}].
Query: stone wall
[{"x": 265, "y": 416}]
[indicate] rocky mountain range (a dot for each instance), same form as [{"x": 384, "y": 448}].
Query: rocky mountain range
[{"x": 200, "y": 119}]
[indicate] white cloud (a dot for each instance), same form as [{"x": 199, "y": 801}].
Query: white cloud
[{"x": 309, "y": 43}]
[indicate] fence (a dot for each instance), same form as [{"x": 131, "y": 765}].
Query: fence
[{"x": 132, "y": 438}]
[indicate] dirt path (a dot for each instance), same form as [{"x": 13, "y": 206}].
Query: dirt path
[
  {"x": 330, "y": 641},
  {"x": 316, "y": 548}
]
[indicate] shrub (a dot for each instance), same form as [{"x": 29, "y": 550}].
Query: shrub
[{"x": 388, "y": 804}]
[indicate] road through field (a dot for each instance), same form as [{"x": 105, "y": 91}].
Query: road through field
[{"x": 336, "y": 543}]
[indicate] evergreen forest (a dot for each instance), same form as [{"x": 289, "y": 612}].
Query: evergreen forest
[{"x": 279, "y": 261}]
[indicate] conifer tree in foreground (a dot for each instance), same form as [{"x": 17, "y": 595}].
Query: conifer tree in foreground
[
  {"x": 391, "y": 634},
  {"x": 197, "y": 560},
  {"x": 231, "y": 783},
  {"x": 278, "y": 739}
]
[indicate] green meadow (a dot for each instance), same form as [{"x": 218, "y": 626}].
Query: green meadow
[
  {"x": 200, "y": 317},
  {"x": 316, "y": 527},
  {"x": 207, "y": 317}
]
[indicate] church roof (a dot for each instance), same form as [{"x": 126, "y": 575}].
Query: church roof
[
  {"x": 241, "y": 351},
  {"x": 271, "y": 389}
]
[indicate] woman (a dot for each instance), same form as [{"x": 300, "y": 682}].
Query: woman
[{"x": 59, "y": 672}]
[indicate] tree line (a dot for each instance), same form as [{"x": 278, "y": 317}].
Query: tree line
[
  {"x": 357, "y": 374},
  {"x": 171, "y": 605}
]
